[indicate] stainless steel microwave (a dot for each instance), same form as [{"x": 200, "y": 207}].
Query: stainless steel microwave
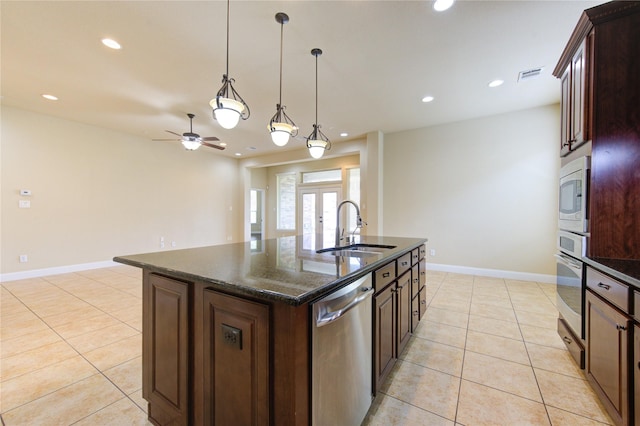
[{"x": 573, "y": 205}]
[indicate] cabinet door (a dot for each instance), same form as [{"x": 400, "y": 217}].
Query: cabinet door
[
  {"x": 636, "y": 371},
  {"x": 404, "y": 311},
  {"x": 165, "y": 349},
  {"x": 607, "y": 339},
  {"x": 565, "y": 112},
  {"x": 236, "y": 360},
  {"x": 384, "y": 309},
  {"x": 579, "y": 107}
]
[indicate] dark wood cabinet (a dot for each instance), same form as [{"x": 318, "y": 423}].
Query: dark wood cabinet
[
  {"x": 165, "y": 349},
  {"x": 403, "y": 289},
  {"x": 608, "y": 328},
  {"x": 236, "y": 360},
  {"x": 384, "y": 336},
  {"x": 636, "y": 372},
  {"x": 575, "y": 102},
  {"x": 600, "y": 103}
]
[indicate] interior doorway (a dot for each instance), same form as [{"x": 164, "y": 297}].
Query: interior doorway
[
  {"x": 256, "y": 214},
  {"x": 317, "y": 215}
]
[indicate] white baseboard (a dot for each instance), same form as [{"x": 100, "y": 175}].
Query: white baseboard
[
  {"x": 496, "y": 273},
  {"x": 35, "y": 273}
]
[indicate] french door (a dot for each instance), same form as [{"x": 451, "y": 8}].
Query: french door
[{"x": 317, "y": 215}]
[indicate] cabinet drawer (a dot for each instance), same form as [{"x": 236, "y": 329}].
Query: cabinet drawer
[
  {"x": 415, "y": 280},
  {"x": 415, "y": 256},
  {"x": 404, "y": 263},
  {"x": 573, "y": 344},
  {"x": 384, "y": 276},
  {"x": 423, "y": 251},
  {"x": 423, "y": 301},
  {"x": 612, "y": 290},
  {"x": 636, "y": 307},
  {"x": 415, "y": 313}
]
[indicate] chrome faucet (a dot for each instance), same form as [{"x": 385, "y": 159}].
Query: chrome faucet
[{"x": 358, "y": 219}]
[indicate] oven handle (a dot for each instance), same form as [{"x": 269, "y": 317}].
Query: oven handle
[{"x": 570, "y": 262}]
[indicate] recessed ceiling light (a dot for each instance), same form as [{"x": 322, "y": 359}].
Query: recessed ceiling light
[
  {"x": 238, "y": 154},
  {"x": 222, "y": 144},
  {"x": 111, "y": 43},
  {"x": 442, "y": 5},
  {"x": 428, "y": 99},
  {"x": 344, "y": 134},
  {"x": 496, "y": 83},
  {"x": 50, "y": 97}
]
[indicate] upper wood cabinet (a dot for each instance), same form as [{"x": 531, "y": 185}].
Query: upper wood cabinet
[{"x": 576, "y": 99}]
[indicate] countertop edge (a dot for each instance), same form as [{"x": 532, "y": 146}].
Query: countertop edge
[{"x": 270, "y": 296}]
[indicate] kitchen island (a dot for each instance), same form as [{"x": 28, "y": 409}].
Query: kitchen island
[{"x": 226, "y": 329}]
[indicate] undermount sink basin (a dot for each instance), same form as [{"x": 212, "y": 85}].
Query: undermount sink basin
[{"x": 360, "y": 249}]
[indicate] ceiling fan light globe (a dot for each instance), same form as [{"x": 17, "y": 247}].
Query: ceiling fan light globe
[
  {"x": 227, "y": 111},
  {"x": 191, "y": 145},
  {"x": 316, "y": 147},
  {"x": 280, "y": 133}
]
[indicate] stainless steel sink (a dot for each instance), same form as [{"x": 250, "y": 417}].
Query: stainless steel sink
[{"x": 357, "y": 250}]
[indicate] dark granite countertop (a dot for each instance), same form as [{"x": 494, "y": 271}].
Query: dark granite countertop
[
  {"x": 624, "y": 270},
  {"x": 279, "y": 269}
]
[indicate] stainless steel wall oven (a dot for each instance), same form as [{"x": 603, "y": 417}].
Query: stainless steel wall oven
[{"x": 572, "y": 247}]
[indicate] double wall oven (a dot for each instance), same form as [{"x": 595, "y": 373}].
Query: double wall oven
[{"x": 573, "y": 228}]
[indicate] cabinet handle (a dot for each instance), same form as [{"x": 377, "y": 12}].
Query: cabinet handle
[
  {"x": 415, "y": 280},
  {"x": 620, "y": 327},
  {"x": 405, "y": 263},
  {"x": 423, "y": 302},
  {"x": 605, "y": 286},
  {"x": 567, "y": 340},
  {"x": 386, "y": 274},
  {"x": 416, "y": 313},
  {"x": 393, "y": 290}
]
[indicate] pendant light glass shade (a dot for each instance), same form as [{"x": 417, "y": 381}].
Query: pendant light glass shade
[
  {"x": 317, "y": 142},
  {"x": 280, "y": 125},
  {"x": 280, "y": 132},
  {"x": 228, "y": 106}
]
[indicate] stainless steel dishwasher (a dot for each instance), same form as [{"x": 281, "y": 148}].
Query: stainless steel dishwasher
[{"x": 341, "y": 341}]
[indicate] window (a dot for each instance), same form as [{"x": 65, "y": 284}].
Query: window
[
  {"x": 286, "y": 201},
  {"x": 322, "y": 176},
  {"x": 353, "y": 194},
  {"x": 253, "y": 207}
]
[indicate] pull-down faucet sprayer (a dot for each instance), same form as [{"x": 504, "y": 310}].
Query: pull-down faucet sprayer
[{"x": 359, "y": 222}]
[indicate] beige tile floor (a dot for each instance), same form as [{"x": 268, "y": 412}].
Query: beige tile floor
[{"x": 486, "y": 353}]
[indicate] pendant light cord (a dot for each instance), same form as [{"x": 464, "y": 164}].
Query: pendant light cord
[
  {"x": 228, "y": 5},
  {"x": 316, "y": 90},
  {"x": 281, "y": 47}
]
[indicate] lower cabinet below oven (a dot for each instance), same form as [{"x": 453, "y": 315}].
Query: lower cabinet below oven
[{"x": 573, "y": 344}]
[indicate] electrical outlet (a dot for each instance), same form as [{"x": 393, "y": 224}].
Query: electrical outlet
[
  {"x": 161, "y": 242},
  {"x": 432, "y": 252},
  {"x": 24, "y": 204},
  {"x": 173, "y": 243},
  {"x": 24, "y": 258}
]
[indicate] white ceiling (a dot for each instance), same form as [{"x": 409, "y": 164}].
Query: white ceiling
[{"x": 380, "y": 58}]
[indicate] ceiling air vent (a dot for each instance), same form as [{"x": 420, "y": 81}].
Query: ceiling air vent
[{"x": 529, "y": 74}]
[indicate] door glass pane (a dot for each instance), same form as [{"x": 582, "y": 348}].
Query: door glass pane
[
  {"x": 309, "y": 221},
  {"x": 329, "y": 206},
  {"x": 286, "y": 201}
]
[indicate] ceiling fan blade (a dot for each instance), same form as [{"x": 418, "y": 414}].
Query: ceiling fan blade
[
  {"x": 166, "y": 140},
  {"x": 210, "y": 138},
  {"x": 210, "y": 145},
  {"x": 173, "y": 133}
]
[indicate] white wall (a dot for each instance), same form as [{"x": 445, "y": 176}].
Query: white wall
[
  {"x": 484, "y": 192},
  {"x": 98, "y": 193}
]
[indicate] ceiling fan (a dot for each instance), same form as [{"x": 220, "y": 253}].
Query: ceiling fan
[{"x": 192, "y": 141}]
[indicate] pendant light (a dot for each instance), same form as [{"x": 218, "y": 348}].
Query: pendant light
[
  {"x": 281, "y": 126},
  {"x": 317, "y": 142},
  {"x": 228, "y": 106}
]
